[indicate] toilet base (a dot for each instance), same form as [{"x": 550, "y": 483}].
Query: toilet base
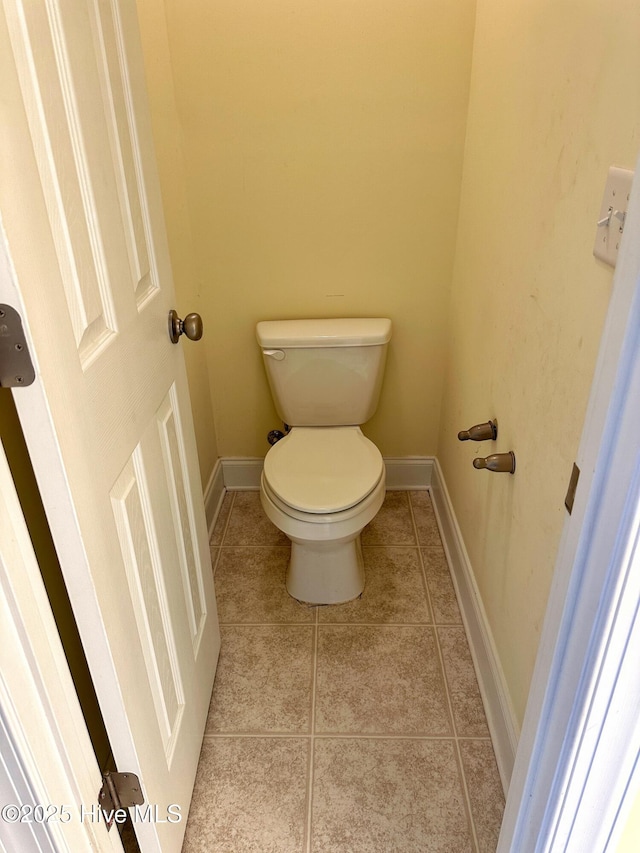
[{"x": 326, "y": 572}]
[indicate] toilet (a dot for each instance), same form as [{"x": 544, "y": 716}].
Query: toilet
[{"x": 325, "y": 480}]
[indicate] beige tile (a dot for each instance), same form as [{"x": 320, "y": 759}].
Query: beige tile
[
  {"x": 468, "y": 711},
  {"x": 485, "y": 791},
  {"x": 373, "y": 796},
  {"x": 426, "y": 524},
  {"x": 250, "y": 587},
  {"x": 393, "y": 525},
  {"x": 263, "y": 681},
  {"x": 440, "y": 585},
  {"x": 248, "y": 525},
  {"x": 250, "y": 797},
  {"x": 393, "y": 593},
  {"x": 379, "y": 680},
  {"x": 378, "y": 673},
  {"x": 221, "y": 520}
]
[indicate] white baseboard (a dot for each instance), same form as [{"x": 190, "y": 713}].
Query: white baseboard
[
  {"x": 409, "y": 472},
  {"x": 501, "y": 717},
  {"x": 213, "y": 496},
  {"x": 242, "y": 473}
]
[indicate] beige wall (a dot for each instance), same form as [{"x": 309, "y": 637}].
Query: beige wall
[
  {"x": 167, "y": 135},
  {"x": 555, "y": 100},
  {"x": 323, "y": 152}
]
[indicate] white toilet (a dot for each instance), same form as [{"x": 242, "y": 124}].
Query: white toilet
[{"x": 324, "y": 481}]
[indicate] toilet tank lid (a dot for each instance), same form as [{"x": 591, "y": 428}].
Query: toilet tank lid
[{"x": 337, "y": 332}]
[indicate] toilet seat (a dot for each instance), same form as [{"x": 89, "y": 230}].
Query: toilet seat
[
  {"x": 323, "y": 470},
  {"x": 324, "y": 520}
]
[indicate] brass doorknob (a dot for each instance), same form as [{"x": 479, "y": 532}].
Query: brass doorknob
[{"x": 191, "y": 326}]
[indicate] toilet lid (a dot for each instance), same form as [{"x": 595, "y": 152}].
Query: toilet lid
[{"x": 323, "y": 470}]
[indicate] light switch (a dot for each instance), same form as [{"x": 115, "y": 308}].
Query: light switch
[{"x": 613, "y": 211}]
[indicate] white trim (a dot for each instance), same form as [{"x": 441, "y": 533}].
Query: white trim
[
  {"x": 241, "y": 473},
  {"x": 408, "y": 472},
  {"x": 17, "y": 787},
  {"x": 501, "y": 717},
  {"x": 47, "y": 756},
  {"x": 574, "y": 779},
  {"x": 213, "y": 496}
]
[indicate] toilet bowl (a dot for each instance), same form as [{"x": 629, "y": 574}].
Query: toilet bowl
[
  {"x": 321, "y": 487},
  {"x": 325, "y": 480}
]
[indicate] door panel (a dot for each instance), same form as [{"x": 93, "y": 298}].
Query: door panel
[
  {"x": 143, "y": 563},
  {"x": 174, "y": 454},
  {"x": 123, "y": 136},
  {"x": 108, "y": 421},
  {"x": 75, "y": 143}
]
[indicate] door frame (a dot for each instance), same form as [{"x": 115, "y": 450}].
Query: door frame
[
  {"x": 575, "y": 777},
  {"x": 46, "y": 757}
]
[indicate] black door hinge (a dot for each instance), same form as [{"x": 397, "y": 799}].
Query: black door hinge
[{"x": 16, "y": 367}]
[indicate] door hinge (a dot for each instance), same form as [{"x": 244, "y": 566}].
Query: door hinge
[
  {"x": 16, "y": 367},
  {"x": 119, "y": 791}
]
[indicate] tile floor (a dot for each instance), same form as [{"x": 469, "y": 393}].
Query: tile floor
[{"x": 355, "y": 728}]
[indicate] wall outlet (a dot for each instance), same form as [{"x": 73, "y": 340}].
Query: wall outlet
[{"x": 613, "y": 211}]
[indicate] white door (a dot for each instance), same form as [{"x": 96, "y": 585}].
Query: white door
[
  {"x": 48, "y": 771},
  {"x": 108, "y": 420}
]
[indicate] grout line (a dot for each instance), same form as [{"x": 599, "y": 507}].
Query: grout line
[
  {"x": 422, "y": 567},
  {"x": 449, "y": 625},
  {"x": 377, "y": 624},
  {"x": 457, "y": 739},
  {"x": 465, "y": 787},
  {"x": 414, "y": 543},
  {"x": 308, "y": 624},
  {"x": 314, "y": 679},
  {"x": 338, "y": 736},
  {"x": 253, "y": 545},
  {"x": 214, "y": 564},
  {"x": 448, "y": 696},
  {"x": 258, "y": 735},
  {"x": 374, "y": 546},
  {"x": 219, "y": 547},
  {"x": 225, "y": 527}
]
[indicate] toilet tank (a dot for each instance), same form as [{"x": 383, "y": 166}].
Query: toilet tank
[{"x": 325, "y": 372}]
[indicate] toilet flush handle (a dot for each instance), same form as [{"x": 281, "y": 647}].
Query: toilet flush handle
[{"x": 278, "y": 354}]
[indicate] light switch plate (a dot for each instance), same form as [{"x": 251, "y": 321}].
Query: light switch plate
[{"x": 612, "y": 214}]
